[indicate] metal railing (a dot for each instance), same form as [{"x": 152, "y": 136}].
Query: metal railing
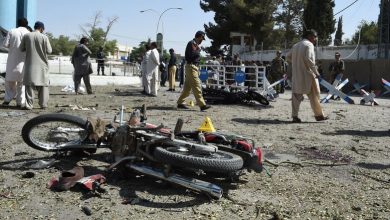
[
  {"x": 225, "y": 75},
  {"x": 118, "y": 68}
]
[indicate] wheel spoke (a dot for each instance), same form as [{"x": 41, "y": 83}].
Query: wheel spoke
[{"x": 57, "y": 134}]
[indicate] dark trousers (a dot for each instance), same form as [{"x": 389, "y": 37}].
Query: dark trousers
[
  {"x": 164, "y": 77},
  {"x": 77, "y": 81},
  {"x": 100, "y": 66}
]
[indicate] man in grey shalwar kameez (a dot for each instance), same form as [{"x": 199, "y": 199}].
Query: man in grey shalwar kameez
[
  {"x": 36, "y": 66},
  {"x": 82, "y": 65}
]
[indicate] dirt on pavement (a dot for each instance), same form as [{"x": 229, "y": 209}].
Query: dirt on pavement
[{"x": 336, "y": 169}]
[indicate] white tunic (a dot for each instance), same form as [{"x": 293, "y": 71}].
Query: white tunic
[
  {"x": 153, "y": 63},
  {"x": 16, "y": 57}
]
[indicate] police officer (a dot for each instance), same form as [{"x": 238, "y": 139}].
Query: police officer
[{"x": 192, "y": 81}]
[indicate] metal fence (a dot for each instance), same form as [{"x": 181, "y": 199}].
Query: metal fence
[
  {"x": 233, "y": 76},
  {"x": 63, "y": 66}
]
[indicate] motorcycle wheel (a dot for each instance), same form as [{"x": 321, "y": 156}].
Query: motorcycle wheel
[
  {"x": 259, "y": 98},
  {"x": 55, "y": 132},
  {"x": 219, "y": 162}
]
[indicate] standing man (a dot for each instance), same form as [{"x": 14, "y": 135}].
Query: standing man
[
  {"x": 144, "y": 73},
  {"x": 14, "y": 87},
  {"x": 100, "y": 60},
  {"x": 152, "y": 68},
  {"x": 172, "y": 70},
  {"x": 82, "y": 65},
  {"x": 192, "y": 81},
  {"x": 36, "y": 67},
  {"x": 337, "y": 67},
  {"x": 278, "y": 69},
  {"x": 304, "y": 74}
]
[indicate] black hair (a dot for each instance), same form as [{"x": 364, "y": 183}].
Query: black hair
[
  {"x": 153, "y": 44},
  {"x": 310, "y": 32},
  {"x": 83, "y": 40},
  {"x": 22, "y": 22},
  {"x": 147, "y": 47}
]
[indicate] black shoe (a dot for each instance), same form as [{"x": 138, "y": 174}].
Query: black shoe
[
  {"x": 182, "y": 106},
  {"x": 170, "y": 90},
  {"x": 5, "y": 103},
  {"x": 205, "y": 107},
  {"x": 296, "y": 120}
]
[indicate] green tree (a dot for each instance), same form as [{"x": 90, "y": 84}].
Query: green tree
[
  {"x": 339, "y": 33},
  {"x": 368, "y": 32},
  {"x": 289, "y": 21},
  {"x": 245, "y": 16},
  {"x": 98, "y": 36},
  {"x": 138, "y": 52},
  {"x": 318, "y": 15},
  {"x": 61, "y": 45}
]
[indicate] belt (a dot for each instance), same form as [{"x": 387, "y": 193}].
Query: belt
[{"x": 196, "y": 64}]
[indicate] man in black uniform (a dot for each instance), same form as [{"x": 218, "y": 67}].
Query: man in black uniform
[
  {"x": 192, "y": 81},
  {"x": 100, "y": 61}
]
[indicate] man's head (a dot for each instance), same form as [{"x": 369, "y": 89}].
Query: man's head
[
  {"x": 100, "y": 48},
  {"x": 200, "y": 36},
  {"x": 22, "y": 22},
  {"x": 337, "y": 55},
  {"x": 39, "y": 26},
  {"x": 153, "y": 45},
  {"x": 171, "y": 51},
  {"x": 278, "y": 53},
  {"x": 310, "y": 35},
  {"x": 84, "y": 41}
]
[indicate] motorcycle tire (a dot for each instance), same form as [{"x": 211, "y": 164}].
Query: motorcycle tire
[
  {"x": 259, "y": 98},
  {"x": 39, "y": 132},
  {"x": 219, "y": 162}
]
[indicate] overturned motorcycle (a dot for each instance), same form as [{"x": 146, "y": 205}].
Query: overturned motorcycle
[{"x": 148, "y": 149}]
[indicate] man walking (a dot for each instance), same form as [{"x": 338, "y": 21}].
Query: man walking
[
  {"x": 304, "y": 74},
  {"x": 172, "y": 70},
  {"x": 192, "y": 81},
  {"x": 36, "y": 66},
  {"x": 145, "y": 80},
  {"x": 82, "y": 65},
  {"x": 152, "y": 68},
  {"x": 14, "y": 87}
]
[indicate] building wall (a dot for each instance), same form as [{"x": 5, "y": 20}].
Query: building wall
[
  {"x": 8, "y": 13},
  {"x": 353, "y": 52},
  {"x": 11, "y": 10}
]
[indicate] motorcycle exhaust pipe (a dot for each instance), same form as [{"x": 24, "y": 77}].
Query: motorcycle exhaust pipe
[{"x": 191, "y": 183}]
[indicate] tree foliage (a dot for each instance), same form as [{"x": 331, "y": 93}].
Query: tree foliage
[
  {"x": 98, "y": 36},
  {"x": 368, "y": 33},
  {"x": 61, "y": 45},
  {"x": 318, "y": 15},
  {"x": 289, "y": 21},
  {"x": 339, "y": 33},
  {"x": 245, "y": 16},
  {"x": 138, "y": 52}
]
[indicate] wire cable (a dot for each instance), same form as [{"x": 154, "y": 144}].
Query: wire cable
[{"x": 346, "y": 7}]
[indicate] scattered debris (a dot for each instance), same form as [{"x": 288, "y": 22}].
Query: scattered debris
[
  {"x": 28, "y": 175},
  {"x": 86, "y": 210},
  {"x": 41, "y": 164}
]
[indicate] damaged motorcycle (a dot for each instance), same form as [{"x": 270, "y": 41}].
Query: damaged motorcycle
[{"x": 149, "y": 149}]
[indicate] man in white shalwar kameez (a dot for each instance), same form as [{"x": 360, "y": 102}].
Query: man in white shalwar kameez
[
  {"x": 304, "y": 76},
  {"x": 152, "y": 68},
  {"x": 145, "y": 81},
  {"x": 14, "y": 87}
]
